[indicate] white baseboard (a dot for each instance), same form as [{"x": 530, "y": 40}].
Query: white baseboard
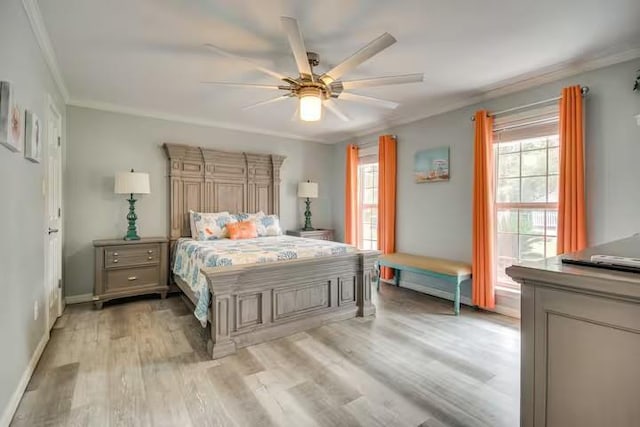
[
  {"x": 78, "y": 299},
  {"x": 500, "y": 309},
  {"x": 434, "y": 292},
  {"x": 506, "y": 311},
  {"x": 7, "y": 415}
]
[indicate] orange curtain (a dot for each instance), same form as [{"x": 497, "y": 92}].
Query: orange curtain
[
  {"x": 351, "y": 197},
  {"x": 387, "y": 198},
  {"x": 572, "y": 227},
  {"x": 483, "y": 291}
]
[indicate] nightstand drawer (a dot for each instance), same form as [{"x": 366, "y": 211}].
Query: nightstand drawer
[
  {"x": 317, "y": 234},
  {"x": 126, "y": 256},
  {"x": 117, "y": 280}
]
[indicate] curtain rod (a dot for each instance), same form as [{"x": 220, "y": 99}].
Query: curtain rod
[
  {"x": 583, "y": 89},
  {"x": 371, "y": 143}
]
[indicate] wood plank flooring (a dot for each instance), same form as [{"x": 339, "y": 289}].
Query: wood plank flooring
[{"x": 144, "y": 363}]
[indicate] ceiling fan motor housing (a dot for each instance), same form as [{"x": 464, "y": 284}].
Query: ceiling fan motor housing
[{"x": 311, "y": 91}]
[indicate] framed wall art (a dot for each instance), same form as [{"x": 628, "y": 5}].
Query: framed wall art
[
  {"x": 11, "y": 119},
  {"x": 33, "y": 137},
  {"x": 432, "y": 165}
]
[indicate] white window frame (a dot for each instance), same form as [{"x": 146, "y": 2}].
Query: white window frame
[
  {"x": 367, "y": 156},
  {"x": 539, "y": 122}
]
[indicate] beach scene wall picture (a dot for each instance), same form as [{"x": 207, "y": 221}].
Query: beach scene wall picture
[
  {"x": 432, "y": 165},
  {"x": 11, "y": 122},
  {"x": 33, "y": 137}
]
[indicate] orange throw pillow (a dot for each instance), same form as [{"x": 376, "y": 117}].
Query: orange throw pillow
[{"x": 242, "y": 230}]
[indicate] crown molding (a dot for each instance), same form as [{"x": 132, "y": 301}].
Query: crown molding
[
  {"x": 560, "y": 71},
  {"x": 115, "y": 108},
  {"x": 523, "y": 82},
  {"x": 42, "y": 36}
]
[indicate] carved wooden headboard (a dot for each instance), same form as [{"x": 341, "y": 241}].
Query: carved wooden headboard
[{"x": 206, "y": 180}]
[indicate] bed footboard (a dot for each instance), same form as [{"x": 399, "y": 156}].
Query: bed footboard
[{"x": 256, "y": 303}]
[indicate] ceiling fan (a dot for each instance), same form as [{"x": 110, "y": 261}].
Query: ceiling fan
[{"x": 315, "y": 90}]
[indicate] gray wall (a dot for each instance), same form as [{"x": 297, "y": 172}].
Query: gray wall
[
  {"x": 22, "y": 216},
  {"x": 435, "y": 219},
  {"x": 101, "y": 143}
]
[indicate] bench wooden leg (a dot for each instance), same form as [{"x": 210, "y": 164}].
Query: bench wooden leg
[
  {"x": 456, "y": 301},
  {"x": 396, "y": 277}
]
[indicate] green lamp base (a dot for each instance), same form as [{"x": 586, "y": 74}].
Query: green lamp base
[
  {"x": 132, "y": 232},
  {"x": 307, "y": 217}
]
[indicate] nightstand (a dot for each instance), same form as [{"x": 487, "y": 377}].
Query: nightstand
[
  {"x": 318, "y": 234},
  {"x": 125, "y": 268}
]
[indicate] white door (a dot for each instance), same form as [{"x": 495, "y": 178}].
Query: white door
[{"x": 53, "y": 187}]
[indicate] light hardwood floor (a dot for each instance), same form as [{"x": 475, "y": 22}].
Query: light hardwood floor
[{"x": 145, "y": 363}]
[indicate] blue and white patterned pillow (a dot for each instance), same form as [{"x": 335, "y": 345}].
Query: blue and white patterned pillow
[
  {"x": 247, "y": 216},
  {"x": 212, "y": 226},
  {"x": 268, "y": 225}
]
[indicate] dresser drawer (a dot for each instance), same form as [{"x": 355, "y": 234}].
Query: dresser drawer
[
  {"x": 125, "y": 256},
  {"x": 125, "y": 278}
]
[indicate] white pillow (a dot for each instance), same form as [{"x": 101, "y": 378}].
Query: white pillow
[
  {"x": 268, "y": 225},
  {"x": 192, "y": 225},
  {"x": 212, "y": 226}
]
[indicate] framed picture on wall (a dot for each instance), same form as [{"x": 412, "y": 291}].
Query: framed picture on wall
[
  {"x": 11, "y": 120},
  {"x": 33, "y": 137},
  {"x": 6, "y": 103},
  {"x": 432, "y": 165}
]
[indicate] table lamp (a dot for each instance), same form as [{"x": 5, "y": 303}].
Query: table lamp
[
  {"x": 308, "y": 190},
  {"x": 132, "y": 183}
]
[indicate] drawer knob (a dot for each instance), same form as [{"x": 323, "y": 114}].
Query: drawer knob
[
  {"x": 150, "y": 258},
  {"x": 132, "y": 278},
  {"x": 149, "y": 251},
  {"x": 115, "y": 254},
  {"x": 115, "y": 261}
]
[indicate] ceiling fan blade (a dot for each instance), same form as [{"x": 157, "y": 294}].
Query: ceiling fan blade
[
  {"x": 258, "y": 67},
  {"x": 268, "y": 101},
  {"x": 290, "y": 26},
  {"x": 383, "y": 81},
  {"x": 247, "y": 85},
  {"x": 370, "y": 50},
  {"x": 377, "y": 102},
  {"x": 331, "y": 106}
]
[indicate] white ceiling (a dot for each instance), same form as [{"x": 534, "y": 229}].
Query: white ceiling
[{"x": 146, "y": 56}]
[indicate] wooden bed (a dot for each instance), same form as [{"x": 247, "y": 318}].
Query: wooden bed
[{"x": 257, "y": 302}]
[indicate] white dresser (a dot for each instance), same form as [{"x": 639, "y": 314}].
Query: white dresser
[{"x": 580, "y": 360}]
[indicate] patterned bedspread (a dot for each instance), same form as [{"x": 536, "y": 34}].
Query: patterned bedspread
[{"x": 193, "y": 255}]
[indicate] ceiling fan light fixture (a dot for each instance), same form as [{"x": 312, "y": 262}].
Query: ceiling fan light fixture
[{"x": 310, "y": 104}]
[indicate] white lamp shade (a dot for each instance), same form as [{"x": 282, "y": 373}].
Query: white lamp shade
[
  {"x": 308, "y": 189},
  {"x": 132, "y": 183}
]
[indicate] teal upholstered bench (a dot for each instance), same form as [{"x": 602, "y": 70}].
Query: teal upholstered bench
[{"x": 452, "y": 272}]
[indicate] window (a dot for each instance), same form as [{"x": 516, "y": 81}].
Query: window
[
  {"x": 368, "y": 199},
  {"x": 526, "y": 196}
]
